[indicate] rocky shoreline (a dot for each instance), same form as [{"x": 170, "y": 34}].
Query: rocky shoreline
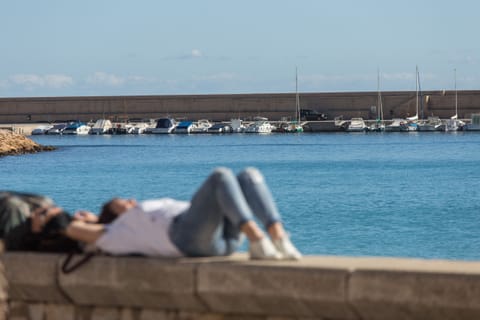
[{"x": 13, "y": 144}]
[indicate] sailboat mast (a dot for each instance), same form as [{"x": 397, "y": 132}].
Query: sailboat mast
[
  {"x": 456, "y": 95},
  {"x": 297, "y": 98},
  {"x": 379, "y": 98},
  {"x": 416, "y": 89}
]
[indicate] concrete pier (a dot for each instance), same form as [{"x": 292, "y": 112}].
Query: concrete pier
[
  {"x": 246, "y": 106},
  {"x": 318, "y": 287}
]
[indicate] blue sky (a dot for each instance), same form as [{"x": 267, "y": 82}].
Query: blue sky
[{"x": 117, "y": 47}]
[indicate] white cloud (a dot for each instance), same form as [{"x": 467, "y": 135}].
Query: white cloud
[
  {"x": 45, "y": 81},
  {"x": 102, "y": 78},
  {"x": 196, "y": 53}
]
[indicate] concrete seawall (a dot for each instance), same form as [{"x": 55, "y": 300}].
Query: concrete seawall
[
  {"x": 245, "y": 106},
  {"x": 318, "y": 287}
]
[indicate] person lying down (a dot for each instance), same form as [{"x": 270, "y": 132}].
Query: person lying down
[{"x": 213, "y": 223}]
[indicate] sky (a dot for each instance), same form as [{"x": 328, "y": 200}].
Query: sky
[{"x": 148, "y": 47}]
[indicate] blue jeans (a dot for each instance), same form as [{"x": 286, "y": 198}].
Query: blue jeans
[{"x": 211, "y": 226}]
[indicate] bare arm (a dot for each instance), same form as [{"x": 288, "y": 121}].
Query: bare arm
[{"x": 84, "y": 232}]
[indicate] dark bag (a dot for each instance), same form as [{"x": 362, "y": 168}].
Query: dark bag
[{"x": 51, "y": 239}]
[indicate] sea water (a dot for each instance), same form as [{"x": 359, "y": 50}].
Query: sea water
[{"x": 374, "y": 194}]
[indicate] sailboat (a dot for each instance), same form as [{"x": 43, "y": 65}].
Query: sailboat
[
  {"x": 295, "y": 126},
  {"x": 378, "y": 126},
  {"x": 453, "y": 124},
  {"x": 432, "y": 123},
  {"x": 413, "y": 121}
]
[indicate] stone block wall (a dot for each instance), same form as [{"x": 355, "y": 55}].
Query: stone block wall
[
  {"x": 233, "y": 288},
  {"x": 223, "y": 107}
]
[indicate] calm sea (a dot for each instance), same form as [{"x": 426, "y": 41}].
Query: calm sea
[{"x": 391, "y": 194}]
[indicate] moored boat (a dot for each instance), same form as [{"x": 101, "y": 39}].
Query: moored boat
[
  {"x": 41, "y": 129},
  {"x": 163, "y": 126},
  {"x": 260, "y": 125},
  {"x": 184, "y": 127},
  {"x": 76, "y": 128},
  {"x": 201, "y": 126},
  {"x": 474, "y": 124},
  {"x": 101, "y": 126},
  {"x": 356, "y": 125},
  {"x": 397, "y": 125}
]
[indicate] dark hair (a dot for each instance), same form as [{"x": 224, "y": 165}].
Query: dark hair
[{"x": 107, "y": 214}]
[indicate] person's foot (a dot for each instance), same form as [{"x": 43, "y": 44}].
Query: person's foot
[
  {"x": 286, "y": 248},
  {"x": 263, "y": 249}
]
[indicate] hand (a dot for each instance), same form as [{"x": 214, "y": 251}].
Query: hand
[
  {"x": 41, "y": 216},
  {"x": 85, "y": 216}
]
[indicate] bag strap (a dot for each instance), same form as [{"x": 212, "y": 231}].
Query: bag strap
[{"x": 66, "y": 268}]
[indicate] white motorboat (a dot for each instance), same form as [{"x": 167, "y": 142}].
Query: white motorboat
[
  {"x": 184, "y": 127},
  {"x": 220, "y": 128},
  {"x": 201, "y": 126},
  {"x": 163, "y": 126},
  {"x": 260, "y": 125},
  {"x": 140, "y": 127},
  {"x": 121, "y": 128},
  {"x": 42, "y": 129},
  {"x": 76, "y": 128},
  {"x": 56, "y": 129},
  {"x": 101, "y": 126},
  {"x": 397, "y": 125},
  {"x": 357, "y": 125},
  {"x": 237, "y": 125},
  {"x": 430, "y": 125}
]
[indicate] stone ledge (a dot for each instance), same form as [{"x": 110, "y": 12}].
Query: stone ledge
[{"x": 316, "y": 287}]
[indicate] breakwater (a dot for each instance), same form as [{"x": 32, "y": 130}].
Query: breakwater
[
  {"x": 317, "y": 287},
  {"x": 223, "y": 107},
  {"x": 12, "y": 143}
]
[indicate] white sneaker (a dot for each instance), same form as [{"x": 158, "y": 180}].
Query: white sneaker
[
  {"x": 287, "y": 249},
  {"x": 263, "y": 249}
]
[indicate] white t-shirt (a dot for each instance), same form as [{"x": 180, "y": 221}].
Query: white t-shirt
[{"x": 144, "y": 229}]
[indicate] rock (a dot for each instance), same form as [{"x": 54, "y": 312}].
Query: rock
[{"x": 13, "y": 143}]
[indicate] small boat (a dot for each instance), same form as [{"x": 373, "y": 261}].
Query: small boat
[
  {"x": 295, "y": 126},
  {"x": 163, "y": 126},
  {"x": 474, "y": 124},
  {"x": 101, "y": 126},
  {"x": 260, "y": 125},
  {"x": 140, "y": 127},
  {"x": 184, "y": 127},
  {"x": 121, "y": 128},
  {"x": 357, "y": 125},
  {"x": 454, "y": 124},
  {"x": 237, "y": 125},
  {"x": 76, "y": 128},
  {"x": 220, "y": 128},
  {"x": 56, "y": 129},
  {"x": 378, "y": 126},
  {"x": 41, "y": 129},
  {"x": 430, "y": 125},
  {"x": 201, "y": 126},
  {"x": 397, "y": 125}
]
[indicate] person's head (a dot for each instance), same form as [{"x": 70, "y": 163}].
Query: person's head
[{"x": 114, "y": 208}]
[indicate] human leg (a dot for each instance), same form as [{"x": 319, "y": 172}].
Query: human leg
[
  {"x": 260, "y": 199},
  {"x": 215, "y": 219}
]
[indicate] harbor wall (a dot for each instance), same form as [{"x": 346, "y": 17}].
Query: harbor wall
[
  {"x": 245, "y": 106},
  {"x": 232, "y": 288}
]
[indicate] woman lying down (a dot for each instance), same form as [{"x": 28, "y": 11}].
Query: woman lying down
[{"x": 211, "y": 224}]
